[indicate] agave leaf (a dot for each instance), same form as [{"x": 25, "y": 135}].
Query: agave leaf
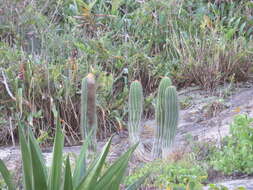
[
  {"x": 56, "y": 168},
  {"x": 93, "y": 173},
  {"x": 136, "y": 185},
  {"x": 6, "y": 176},
  {"x": 40, "y": 182},
  {"x": 38, "y": 150},
  {"x": 114, "y": 174},
  {"x": 68, "y": 183},
  {"x": 26, "y": 160},
  {"x": 80, "y": 169}
]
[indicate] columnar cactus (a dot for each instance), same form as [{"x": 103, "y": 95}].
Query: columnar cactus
[
  {"x": 88, "y": 107},
  {"x": 135, "y": 107},
  {"x": 160, "y": 116},
  {"x": 171, "y": 119}
]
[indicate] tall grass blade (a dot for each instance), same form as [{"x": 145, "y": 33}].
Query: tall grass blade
[
  {"x": 6, "y": 176},
  {"x": 80, "y": 169},
  {"x": 137, "y": 184},
  {"x": 114, "y": 174},
  {"x": 40, "y": 182},
  {"x": 38, "y": 150},
  {"x": 68, "y": 183},
  {"x": 90, "y": 179},
  {"x": 55, "y": 173},
  {"x": 26, "y": 160}
]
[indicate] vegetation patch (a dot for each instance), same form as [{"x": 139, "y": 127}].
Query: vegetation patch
[
  {"x": 166, "y": 174},
  {"x": 235, "y": 156}
]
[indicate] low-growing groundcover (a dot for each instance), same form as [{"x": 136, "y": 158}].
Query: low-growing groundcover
[
  {"x": 165, "y": 174},
  {"x": 234, "y": 157},
  {"x": 236, "y": 153},
  {"x": 188, "y": 173}
]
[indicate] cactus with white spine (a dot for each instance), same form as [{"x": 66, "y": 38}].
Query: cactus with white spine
[
  {"x": 88, "y": 108},
  {"x": 171, "y": 119},
  {"x": 160, "y": 117},
  {"x": 135, "y": 106}
]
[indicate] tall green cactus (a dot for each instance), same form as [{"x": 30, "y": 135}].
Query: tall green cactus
[
  {"x": 135, "y": 106},
  {"x": 165, "y": 110},
  {"x": 171, "y": 119},
  {"x": 88, "y": 108}
]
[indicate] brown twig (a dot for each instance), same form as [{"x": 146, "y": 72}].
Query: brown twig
[{"x": 4, "y": 81}]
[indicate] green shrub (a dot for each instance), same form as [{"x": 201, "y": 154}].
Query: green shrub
[
  {"x": 55, "y": 44},
  {"x": 165, "y": 174},
  {"x": 236, "y": 153}
]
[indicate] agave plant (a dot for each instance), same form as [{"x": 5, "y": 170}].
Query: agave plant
[{"x": 37, "y": 176}]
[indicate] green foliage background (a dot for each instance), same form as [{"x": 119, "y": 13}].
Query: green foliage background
[{"x": 47, "y": 47}]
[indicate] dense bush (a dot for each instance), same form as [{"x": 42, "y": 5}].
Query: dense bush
[
  {"x": 165, "y": 174},
  {"x": 46, "y": 48},
  {"x": 236, "y": 154}
]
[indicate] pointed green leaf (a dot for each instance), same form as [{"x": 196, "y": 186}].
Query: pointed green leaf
[
  {"x": 94, "y": 171},
  {"x": 6, "y": 176},
  {"x": 114, "y": 174},
  {"x": 38, "y": 150},
  {"x": 40, "y": 182},
  {"x": 80, "y": 169},
  {"x": 56, "y": 168},
  {"x": 26, "y": 159},
  {"x": 136, "y": 185},
  {"x": 68, "y": 185}
]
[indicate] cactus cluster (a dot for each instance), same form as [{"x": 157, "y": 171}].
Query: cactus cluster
[{"x": 167, "y": 114}]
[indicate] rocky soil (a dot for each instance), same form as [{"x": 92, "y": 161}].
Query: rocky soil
[{"x": 205, "y": 116}]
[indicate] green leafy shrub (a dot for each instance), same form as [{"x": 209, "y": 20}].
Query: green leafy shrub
[
  {"x": 217, "y": 187},
  {"x": 36, "y": 174},
  {"x": 164, "y": 174},
  {"x": 236, "y": 153},
  {"x": 55, "y": 44}
]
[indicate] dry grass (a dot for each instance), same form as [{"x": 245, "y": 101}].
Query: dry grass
[{"x": 210, "y": 62}]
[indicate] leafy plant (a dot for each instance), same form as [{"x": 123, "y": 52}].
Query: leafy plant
[
  {"x": 236, "y": 153},
  {"x": 56, "y": 43},
  {"x": 164, "y": 174},
  {"x": 217, "y": 187},
  {"x": 36, "y": 175}
]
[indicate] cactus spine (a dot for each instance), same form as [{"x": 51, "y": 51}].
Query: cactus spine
[
  {"x": 162, "y": 112},
  {"x": 171, "y": 119},
  {"x": 135, "y": 105},
  {"x": 88, "y": 108},
  {"x": 160, "y": 117}
]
